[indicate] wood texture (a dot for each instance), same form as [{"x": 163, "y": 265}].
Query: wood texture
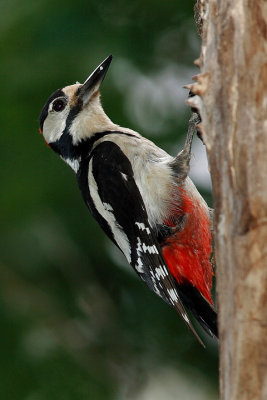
[{"x": 232, "y": 99}]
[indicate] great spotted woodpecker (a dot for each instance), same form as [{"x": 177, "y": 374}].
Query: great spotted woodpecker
[{"x": 141, "y": 197}]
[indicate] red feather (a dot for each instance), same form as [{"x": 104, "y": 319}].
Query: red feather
[{"x": 187, "y": 252}]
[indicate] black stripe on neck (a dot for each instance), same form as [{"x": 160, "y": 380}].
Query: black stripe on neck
[
  {"x": 64, "y": 146},
  {"x": 67, "y": 150}
]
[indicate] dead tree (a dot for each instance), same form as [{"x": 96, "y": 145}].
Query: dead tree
[{"x": 231, "y": 94}]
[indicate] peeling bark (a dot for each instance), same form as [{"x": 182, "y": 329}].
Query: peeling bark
[{"x": 232, "y": 98}]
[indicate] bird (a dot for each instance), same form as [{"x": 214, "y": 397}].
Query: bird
[{"x": 141, "y": 197}]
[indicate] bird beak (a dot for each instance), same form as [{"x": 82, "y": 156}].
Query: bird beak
[{"x": 93, "y": 82}]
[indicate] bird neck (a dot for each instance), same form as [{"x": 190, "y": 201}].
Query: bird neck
[{"x": 74, "y": 154}]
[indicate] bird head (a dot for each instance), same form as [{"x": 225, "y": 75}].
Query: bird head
[{"x": 74, "y": 113}]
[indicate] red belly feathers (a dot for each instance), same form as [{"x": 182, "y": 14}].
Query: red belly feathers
[{"x": 187, "y": 252}]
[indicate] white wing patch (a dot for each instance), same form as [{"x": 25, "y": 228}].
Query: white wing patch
[
  {"x": 173, "y": 295},
  {"x": 160, "y": 272},
  {"x": 139, "y": 250},
  {"x": 156, "y": 290},
  {"x": 105, "y": 210},
  {"x": 185, "y": 317},
  {"x": 149, "y": 249},
  {"x": 107, "y": 207},
  {"x": 142, "y": 227},
  {"x": 143, "y": 248},
  {"x": 125, "y": 177}
]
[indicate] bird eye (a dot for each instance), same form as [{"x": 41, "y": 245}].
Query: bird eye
[{"x": 59, "y": 105}]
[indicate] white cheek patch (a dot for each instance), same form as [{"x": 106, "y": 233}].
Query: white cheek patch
[{"x": 55, "y": 124}]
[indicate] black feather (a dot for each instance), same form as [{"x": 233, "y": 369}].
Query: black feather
[
  {"x": 116, "y": 187},
  {"x": 200, "y": 308}
]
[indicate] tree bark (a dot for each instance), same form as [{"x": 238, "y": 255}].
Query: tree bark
[{"x": 231, "y": 95}]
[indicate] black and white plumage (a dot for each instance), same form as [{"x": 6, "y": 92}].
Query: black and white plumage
[{"x": 139, "y": 195}]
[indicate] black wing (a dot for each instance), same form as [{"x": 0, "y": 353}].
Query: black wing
[{"x": 115, "y": 201}]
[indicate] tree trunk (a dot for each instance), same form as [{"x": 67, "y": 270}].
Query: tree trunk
[{"x": 232, "y": 99}]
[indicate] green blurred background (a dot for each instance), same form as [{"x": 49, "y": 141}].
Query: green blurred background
[{"x": 76, "y": 323}]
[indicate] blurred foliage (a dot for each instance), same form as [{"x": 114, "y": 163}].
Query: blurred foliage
[{"x": 76, "y": 323}]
